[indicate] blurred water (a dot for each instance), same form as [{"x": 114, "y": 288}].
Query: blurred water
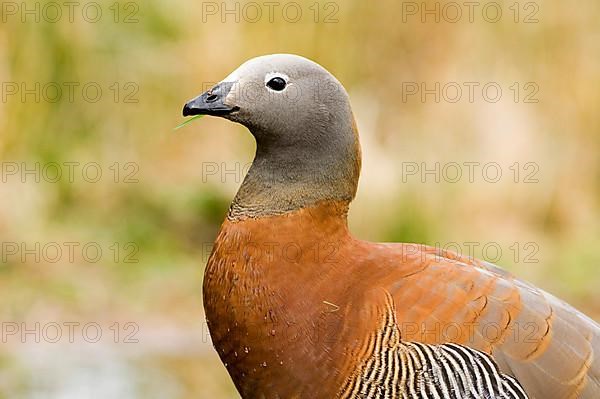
[{"x": 147, "y": 369}]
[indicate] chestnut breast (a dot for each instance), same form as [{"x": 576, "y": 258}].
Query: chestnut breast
[{"x": 270, "y": 301}]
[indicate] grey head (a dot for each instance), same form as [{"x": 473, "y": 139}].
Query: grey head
[{"x": 307, "y": 148}]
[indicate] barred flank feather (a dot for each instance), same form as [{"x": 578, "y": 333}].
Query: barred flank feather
[{"x": 411, "y": 370}]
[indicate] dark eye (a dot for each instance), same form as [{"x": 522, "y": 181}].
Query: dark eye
[{"x": 276, "y": 84}]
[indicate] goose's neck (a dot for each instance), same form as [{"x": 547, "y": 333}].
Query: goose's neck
[{"x": 282, "y": 181}]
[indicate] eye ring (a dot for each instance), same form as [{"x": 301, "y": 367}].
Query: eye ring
[{"x": 277, "y": 83}]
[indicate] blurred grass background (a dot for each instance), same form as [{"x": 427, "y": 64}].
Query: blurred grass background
[{"x": 172, "y": 211}]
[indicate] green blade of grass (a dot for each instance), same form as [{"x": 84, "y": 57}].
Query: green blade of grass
[{"x": 185, "y": 122}]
